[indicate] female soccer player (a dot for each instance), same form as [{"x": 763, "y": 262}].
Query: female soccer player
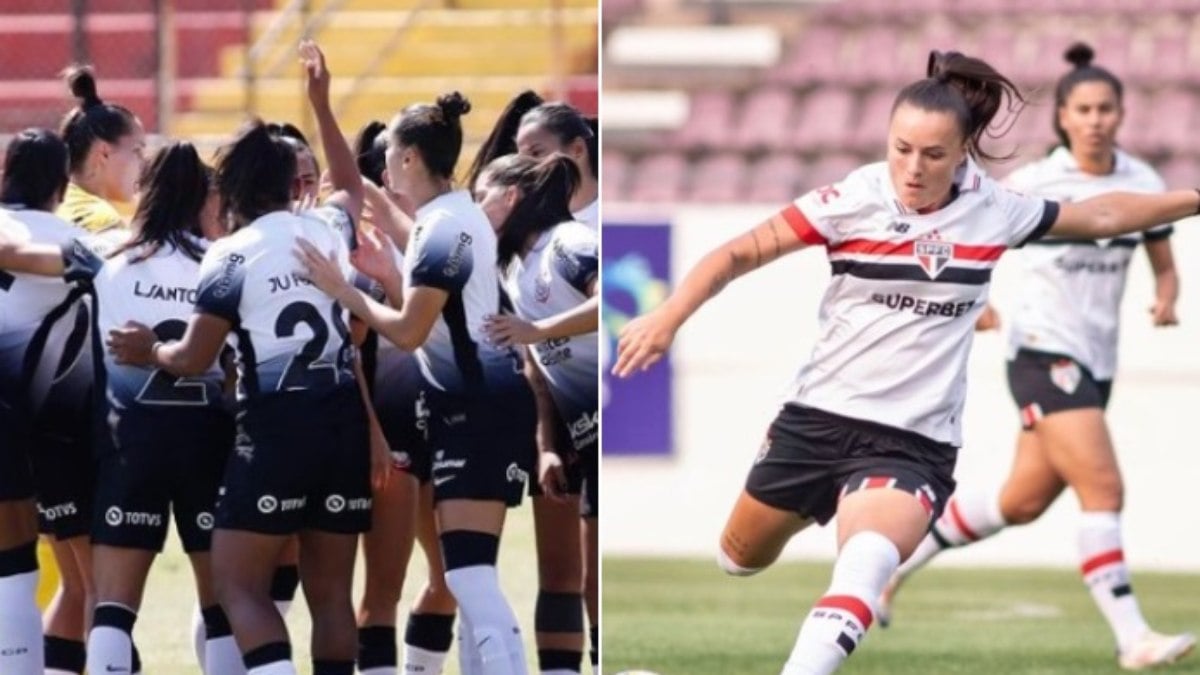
[
  {"x": 106, "y": 143},
  {"x": 170, "y": 436},
  {"x": 550, "y": 266},
  {"x": 301, "y": 463},
  {"x": 449, "y": 285},
  {"x": 1062, "y": 360},
  {"x": 403, "y": 512},
  {"x": 558, "y": 127},
  {"x": 32, "y": 309},
  {"x": 872, "y": 429}
]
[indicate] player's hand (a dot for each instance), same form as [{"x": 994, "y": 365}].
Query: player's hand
[
  {"x": 506, "y": 330},
  {"x": 132, "y": 344},
  {"x": 375, "y": 255},
  {"x": 551, "y": 476},
  {"x": 1162, "y": 313},
  {"x": 643, "y": 342},
  {"x": 381, "y": 458},
  {"x": 989, "y": 319},
  {"x": 316, "y": 74},
  {"x": 322, "y": 270}
]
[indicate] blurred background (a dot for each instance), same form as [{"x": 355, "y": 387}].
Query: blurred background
[
  {"x": 718, "y": 113},
  {"x": 196, "y": 68}
]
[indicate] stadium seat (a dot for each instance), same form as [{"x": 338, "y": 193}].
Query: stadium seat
[
  {"x": 774, "y": 179},
  {"x": 659, "y": 178},
  {"x": 765, "y": 118},
  {"x": 718, "y": 178},
  {"x": 710, "y": 121},
  {"x": 826, "y": 121}
]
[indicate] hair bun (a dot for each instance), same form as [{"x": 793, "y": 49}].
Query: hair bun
[
  {"x": 938, "y": 66},
  {"x": 1080, "y": 55},
  {"x": 453, "y": 105},
  {"x": 82, "y": 83}
]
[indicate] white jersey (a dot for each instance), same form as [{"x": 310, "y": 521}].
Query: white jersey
[
  {"x": 552, "y": 278},
  {"x": 589, "y": 215},
  {"x": 159, "y": 291},
  {"x": 46, "y": 339},
  {"x": 1071, "y": 289},
  {"x": 897, "y": 321},
  {"x": 288, "y": 334},
  {"x": 453, "y": 248}
]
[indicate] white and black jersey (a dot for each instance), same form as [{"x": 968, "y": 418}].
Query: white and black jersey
[
  {"x": 289, "y": 335},
  {"x": 555, "y": 277},
  {"x": 897, "y": 320},
  {"x": 1071, "y": 289},
  {"x": 589, "y": 215}
]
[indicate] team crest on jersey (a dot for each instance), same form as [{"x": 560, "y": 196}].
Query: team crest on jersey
[
  {"x": 1065, "y": 375},
  {"x": 933, "y": 254}
]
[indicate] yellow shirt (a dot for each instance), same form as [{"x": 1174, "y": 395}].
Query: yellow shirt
[{"x": 88, "y": 211}]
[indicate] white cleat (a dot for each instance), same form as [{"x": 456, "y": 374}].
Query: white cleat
[
  {"x": 883, "y": 604},
  {"x": 1155, "y": 649}
]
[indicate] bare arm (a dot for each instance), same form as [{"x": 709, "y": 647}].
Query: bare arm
[
  {"x": 550, "y": 473},
  {"x": 645, "y": 339},
  {"x": 1116, "y": 213},
  {"x": 506, "y": 329},
  {"x": 41, "y": 259},
  {"x": 343, "y": 172},
  {"x": 137, "y": 345},
  {"x": 1166, "y": 282},
  {"x": 380, "y": 454}
]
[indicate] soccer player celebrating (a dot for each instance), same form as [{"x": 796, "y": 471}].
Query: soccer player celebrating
[
  {"x": 1063, "y": 356},
  {"x": 873, "y": 426}
]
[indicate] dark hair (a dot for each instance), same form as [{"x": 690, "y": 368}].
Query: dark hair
[
  {"x": 503, "y": 138},
  {"x": 255, "y": 173},
  {"x": 92, "y": 119},
  {"x": 35, "y": 169},
  {"x": 370, "y": 151},
  {"x": 968, "y": 88},
  {"x": 545, "y": 188},
  {"x": 567, "y": 124},
  {"x": 288, "y": 130},
  {"x": 1080, "y": 56},
  {"x": 174, "y": 187},
  {"x": 435, "y": 131}
]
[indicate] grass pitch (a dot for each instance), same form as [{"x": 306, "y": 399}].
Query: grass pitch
[{"x": 685, "y": 617}]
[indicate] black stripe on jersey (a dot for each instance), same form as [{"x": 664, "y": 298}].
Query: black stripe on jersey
[
  {"x": 1049, "y": 215},
  {"x": 884, "y": 272},
  {"x": 1159, "y": 234},
  {"x": 6, "y": 280},
  {"x": 248, "y": 373},
  {"x": 1122, "y": 242},
  {"x": 466, "y": 352}
]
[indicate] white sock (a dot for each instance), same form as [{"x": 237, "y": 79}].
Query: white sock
[
  {"x": 199, "y": 636},
  {"x": 56, "y": 671},
  {"x": 839, "y": 620},
  {"x": 221, "y": 653},
  {"x": 469, "y": 661},
  {"x": 559, "y": 671},
  {"x": 423, "y": 661},
  {"x": 109, "y": 644},
  {"x": 1107, "y": 576},
  {"x": 21, "y": 641},
  {"x": 493, "y": 624},
  {"x": 276, "y": 668},
  {"x": 968, "y": 517}
]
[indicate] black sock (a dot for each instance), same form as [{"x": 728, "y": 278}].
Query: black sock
[
  {"x": 333, "y": 667},
  {"x": 595, "y": 653},
  {"x": 64, "y": 654},
  {"x": 284, "y": 583},
  {"x": 377, "y": 647},
  {"x": 431, "y": 632}
]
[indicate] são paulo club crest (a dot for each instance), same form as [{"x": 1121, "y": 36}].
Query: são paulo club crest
[{"x": 933, "y": 254}]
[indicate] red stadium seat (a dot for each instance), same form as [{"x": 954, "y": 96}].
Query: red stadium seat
[
  {"x": 659, "y": 178},
  {"x": 828, "y": 169},
  {"x": 718, "y": 178},
  {"x": 775, "y": 179},
  {"x": 826, "y": 120},
  {"x": 709, "y": 122},
  {"x": 765, "y": 118},
  {"x": 614, "y": 173}
]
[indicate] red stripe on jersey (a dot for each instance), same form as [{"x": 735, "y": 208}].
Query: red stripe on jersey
[
  {"x": 799, "y": 223},
  {"x": 877, "y": 482},
  {"x": 883, "y": 248},
  {"x": 848, "y": 603},
  {"x": 1096, "y": 562},
  {"x": 961, "y": 522}
]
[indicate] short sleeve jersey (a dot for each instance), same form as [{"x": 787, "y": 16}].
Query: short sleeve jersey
[
  {"x": 897, "y": 320},
  {"x": 1071, "y": 289},
  {"x": 288, "y": 334},
  {"x": 158, "y": 290},
  {"x": 453, "y": 248},
  {"x": 555, "y": 277},
  {"x": 88, "y": 211},
  {"x": 46, "y": 348},
  {"x": 589, "y": 215}
]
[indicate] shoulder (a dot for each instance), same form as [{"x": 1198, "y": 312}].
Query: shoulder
[{"x": 1141, "y": 174}]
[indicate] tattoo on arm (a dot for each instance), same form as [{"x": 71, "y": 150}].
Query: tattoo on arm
[{"x": 758, "y": 257}]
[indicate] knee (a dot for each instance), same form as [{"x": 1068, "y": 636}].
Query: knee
[
  {"x": 1025, "y": 511},
  {"x": 1106, "y": 494},
  {"x": 734, "y": 565}
]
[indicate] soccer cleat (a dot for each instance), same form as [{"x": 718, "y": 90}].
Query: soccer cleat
[
  {"x": 883, "y": 605},
  {"x": 1155, "y": 649}
]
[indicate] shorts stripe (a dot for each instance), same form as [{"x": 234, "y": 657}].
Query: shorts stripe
[{"x": 1096, "y": 562}]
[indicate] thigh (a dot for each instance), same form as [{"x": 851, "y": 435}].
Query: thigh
[
  {"x": 120, "y": 574},
  {"x": 756, "y": 533},
  {"x": 18, "y": 523},
  {"x": 894, "y": 513},
  {"x": 327, "y": 567},
  {"x": 556, "y": 527},
  {"x": 471, "y": 514},
  {"x": 387, "y": 546},
  {"x": 1033, "y": 483},
  {"x": 1078, "y": 445}
]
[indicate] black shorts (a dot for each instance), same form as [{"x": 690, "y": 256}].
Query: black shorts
[
  {"x": 64, "y": 477},
  {"x": 301, "y": 461},
  {"x": 16, "y": 474},
  {"x": 482, "y": 445},
  {"x": 163, "y": 460},
  {"x": 589, "y": 491},
  {"x": 402, "y": 406},
  {"x": 811, "y": 458},
  {"x": 1042, "y": 383}
]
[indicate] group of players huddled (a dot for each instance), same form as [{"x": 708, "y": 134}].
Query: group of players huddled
[{"x": 288, "y": 360}]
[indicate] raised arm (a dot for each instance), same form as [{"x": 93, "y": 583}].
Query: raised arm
[
  {"x": 343, "y": 172},
  {"x": 645, "y": 339},
  {"x": 1115, "y": 213}
]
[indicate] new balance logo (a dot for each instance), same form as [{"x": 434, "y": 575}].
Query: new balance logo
[{"x": 902, "y": 228}]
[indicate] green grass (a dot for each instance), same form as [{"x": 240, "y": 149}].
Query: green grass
[
  {"x": 163, "y": 631},
  {"x": 685, "y": 617}
]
